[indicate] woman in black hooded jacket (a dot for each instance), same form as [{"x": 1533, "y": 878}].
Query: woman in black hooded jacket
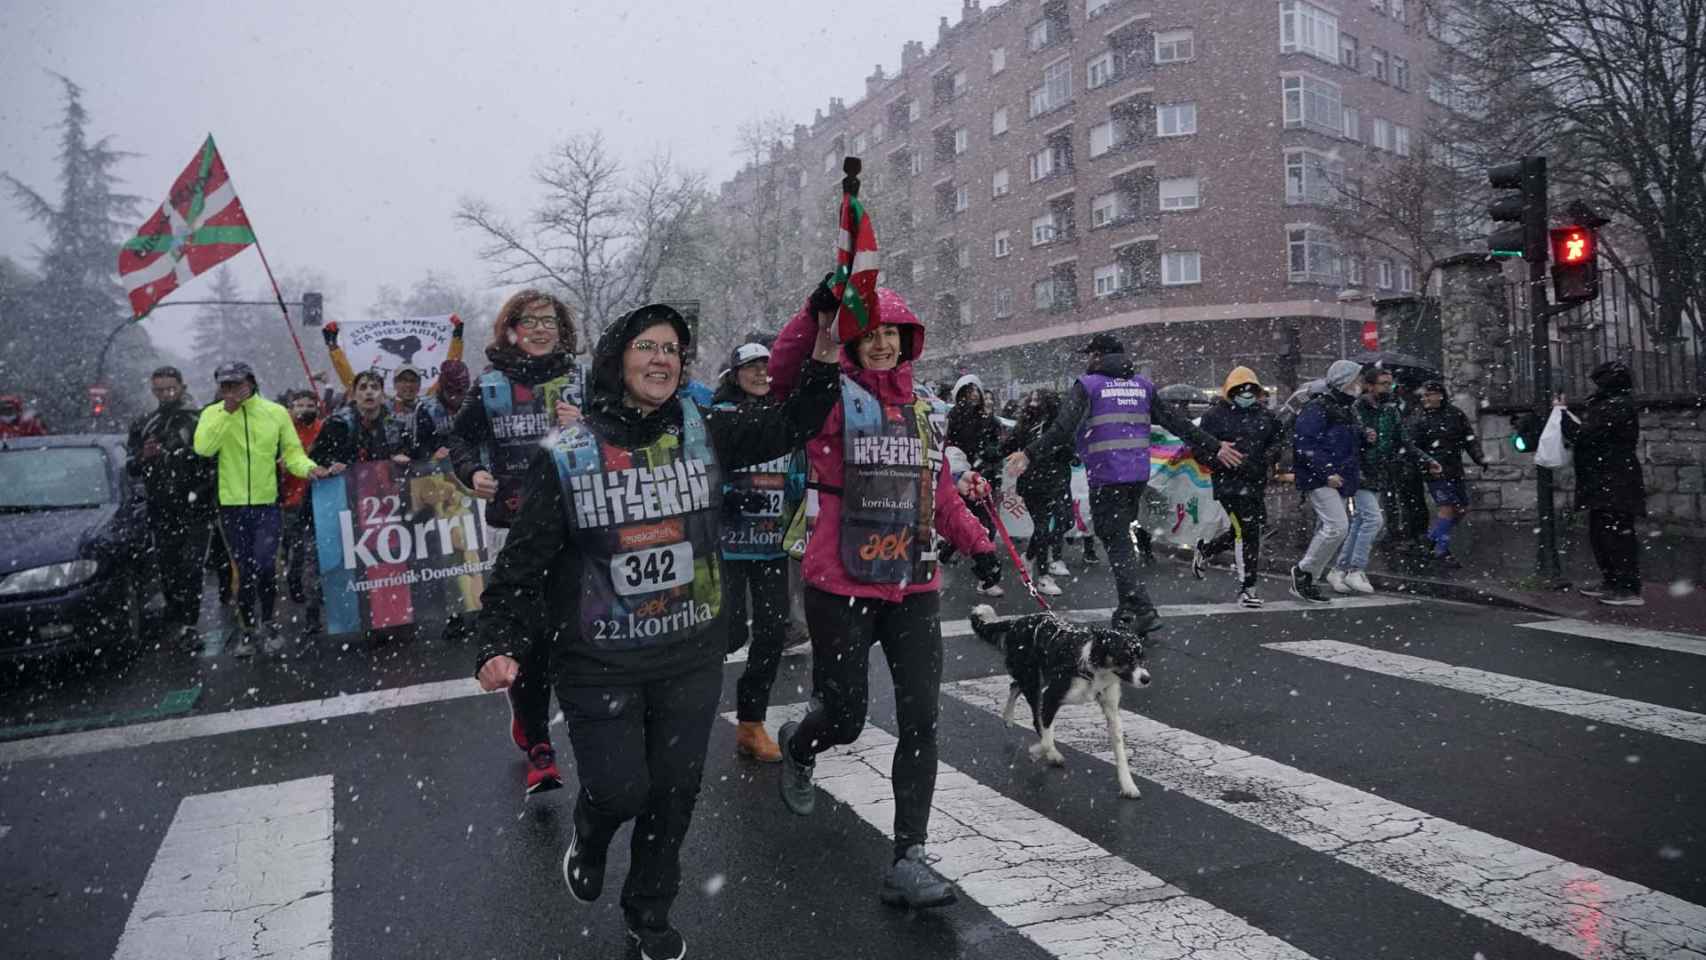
[
  {"x": 1605, "y": 452},
  {"x": 614, "y": 562},
  {"x": 1046, "y": 488}
]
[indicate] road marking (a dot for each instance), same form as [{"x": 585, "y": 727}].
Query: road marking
[
  {"x": 235, "y": 721},
  {"x": 961, "y": 628},
  {"x": 1572, "y": 908},
  {"x": 1636, "y": 636},
  {"x": 1059, "y": 889},
  {"x": 1599, "y": 707},
  {"x": 174, "y": 702},
  {"x": 241, "y": 874}
]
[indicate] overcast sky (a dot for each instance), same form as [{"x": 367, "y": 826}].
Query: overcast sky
[{"x": 352, "y": 128}]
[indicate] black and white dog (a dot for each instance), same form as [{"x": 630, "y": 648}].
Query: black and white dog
[{"x": 1054, "y": 662}]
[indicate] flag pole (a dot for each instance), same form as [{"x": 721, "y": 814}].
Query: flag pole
[{"x": 300, "y": 355}]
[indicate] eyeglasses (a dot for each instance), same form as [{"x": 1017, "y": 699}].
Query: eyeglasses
[
  {"x": 536, "y": 323},
  {"x": 671, "y": 349}
]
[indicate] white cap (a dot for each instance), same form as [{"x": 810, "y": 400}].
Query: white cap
[
  {"x": 960, "y": 384},
  {"x": 748, "y": 352}
]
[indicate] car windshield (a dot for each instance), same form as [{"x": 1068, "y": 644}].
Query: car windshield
[{"x": 53, "y": 478}]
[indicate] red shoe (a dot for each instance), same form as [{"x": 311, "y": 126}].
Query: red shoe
[
  {"x": 517, "y": 732},
  {"x": 542, "y": 774}
]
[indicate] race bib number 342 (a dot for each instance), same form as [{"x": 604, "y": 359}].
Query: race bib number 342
[{"x": 651, "y": 570}]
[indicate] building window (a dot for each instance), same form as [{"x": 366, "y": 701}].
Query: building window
[
  {"x": 917, "y": 271},
  {"x": 1406, "y": 278},
  {"x": 962, "y": 199},
  {"x": 860, "y": 144},
  {"x": 831, "y": 160},
  {"x": 1003, "y": 243},
  {"x": 1353, "y": 124},
  {"x": 1106, "y": 280},
  {"x": 1353, "y": 271},
  {"x": 962, "y": 256},
  {"x": 998, "y": 184},
  {"x": 965, "y": 314},
  {"x": 1042, "y": 164},
  {"x": 1377, "y": 64},
  {"x": 1099, "y": 71},
  {"x": 1003, "y": 302},
  {"x": 1306, "y": 28},
  {"x": 1313, "y": 257},
  {"x": 1104, "y": 210},
  {"x": 1042, "y": 294},
  {"x": 1400, "y": 73},
  {"x": 1401, "y": 140},
  {"x": 1311, "y": 177},
  {"x": 1382, "y": 134},
  {"x": 915, "y": 163},
  {"x": 1040, "y": 34},
  {"x": 1043, "y": 229},
  {"x": 1175, "y": 119},
  {"x": 997, "y": 60},
  {"x": 1095, "y": 8},
  {"x": 1103, "y": 137},
  {"x": 1383, "y": 273},
  {"x": 1175, "y": 46},
  {"x": 1178, "y": 269},
  {"x": 1398, "y": 11},
  {"x": 1312, "y": 102},
  {"x": 877, "y": 132},
  {"x": 998, "y": 122},
  {"x": 914, "y": 110},
  {"x": 1179, "y": 193},
  {"x": 1056, "y": 90},
  {"x": 961, "y": 141},
  {"x": 1347, "y": 51},
  {"x": 958, "y": 82}
]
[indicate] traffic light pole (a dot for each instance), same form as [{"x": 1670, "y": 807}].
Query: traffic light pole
[{"x": 1547, "y": 565}]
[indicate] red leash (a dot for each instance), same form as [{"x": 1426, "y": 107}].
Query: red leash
[{"x": 1012, "y": 551}]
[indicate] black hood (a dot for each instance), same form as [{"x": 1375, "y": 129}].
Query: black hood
[
  {"x": 1613, "y": 376},
  {"x": 1112, "y": 365},
  {"x": 618, "y": 423}
]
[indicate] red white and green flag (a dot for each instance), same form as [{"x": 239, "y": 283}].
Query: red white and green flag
[
  {"x": 856, "y": 261},
  {"x": 200, "y": 225}
]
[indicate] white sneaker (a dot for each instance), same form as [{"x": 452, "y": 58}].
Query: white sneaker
[
  {"x": 1057, "y": 568},
  {"x": 1358, "y": 581},
  {"x": 993, "y": 590},
  {"x": 1336, "y": 580},
  {"x": 1047, "y": 586}
]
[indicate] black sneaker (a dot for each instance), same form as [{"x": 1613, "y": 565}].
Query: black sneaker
[
  {"x": 1141, "y": 622},
  {"x": 1090, "y": 556},
  {"x": 1199, "y": 562},
  {"x": 659, "y": 943},
  {"x": 798, "y": 794},
  {"x": 1303, "y": 587},
  {"x": 1248, "y": 598},
  {"x": 1446, "y": 561},
  {"x": 244, "y": 648},
  {"x": 582, "y": 871},
  {"x": 1622, "y": 598},
  {"x": 910, "y": 882}
]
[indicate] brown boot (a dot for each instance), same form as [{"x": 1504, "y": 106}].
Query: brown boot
[{"x": 753, "y": 740}]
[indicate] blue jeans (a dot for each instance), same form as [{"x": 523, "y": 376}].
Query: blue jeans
[
  {"x": 1365, "y": 525},
  {"x": 251, "y": 538}
]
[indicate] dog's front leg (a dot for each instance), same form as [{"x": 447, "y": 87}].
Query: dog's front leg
[
  {"x": 1109, "y": 697},
  {"x": 1012, "y": 702},
  {"x": 1054, "y": 694}
]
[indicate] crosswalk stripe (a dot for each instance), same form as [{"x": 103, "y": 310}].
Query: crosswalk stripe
[
  {"x": 240, "y": 874},
  {"x": 1617, "y": 633},
  {"x": 1058, "y": 888},
  {"x": 1599, "y": 707},
  {"x": 1531, "y": 893}
]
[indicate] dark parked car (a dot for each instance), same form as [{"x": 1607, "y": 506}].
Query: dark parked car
[{"x": 73, "y": 536}]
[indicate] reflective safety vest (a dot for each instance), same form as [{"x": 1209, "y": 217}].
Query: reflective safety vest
[
  {"x": 1113, "y": 441},
  {"x": 519, "y": 416},
  {"x": 644, "y": 522}
]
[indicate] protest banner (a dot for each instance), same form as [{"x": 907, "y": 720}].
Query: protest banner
[
  {"x": 398, "y": 545},
  {"x": 1180, "y": 505},
  {"x": 385, "y": 345}
]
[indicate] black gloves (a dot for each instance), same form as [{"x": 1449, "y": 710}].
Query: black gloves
[
  {"x": 329, "y": 332},
  {"x": 739, "y": 502},
  {"x": 823, "y": 299},
  {"x": 987, "y": 568}
]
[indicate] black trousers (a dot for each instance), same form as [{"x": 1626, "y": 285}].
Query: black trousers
[
  {"x": 1051, "y": 517},
  {"x": 766, "y": 628},
  {"x": 1616, "y": 549},
  {"x": 530, "y": 692},
  {"x": 1113, "y": 510},
  {"x": 1244, "y": 538},
  {"x": 302, "y": 561},
  {"x": 639, "y": 755},
  {"x": 911, "y": 635},
  {"x": 180, "y": 551}
]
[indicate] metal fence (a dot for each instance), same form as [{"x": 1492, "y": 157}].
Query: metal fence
[{"x": 1618, "y": 325}]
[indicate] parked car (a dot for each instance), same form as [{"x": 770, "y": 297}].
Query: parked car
[{"x": 73, "y": 548}]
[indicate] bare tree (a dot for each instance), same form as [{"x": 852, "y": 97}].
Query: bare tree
[
  {"x": 1403, "y": 207},
  {"x": 600, "y": 237}
]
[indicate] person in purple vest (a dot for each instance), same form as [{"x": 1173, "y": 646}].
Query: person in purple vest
[{"x": 1106, "y": 416}]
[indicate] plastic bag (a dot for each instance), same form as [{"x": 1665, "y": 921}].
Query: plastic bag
[{"x": 1552, "y": 452}]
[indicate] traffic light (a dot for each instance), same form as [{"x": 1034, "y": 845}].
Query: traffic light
[
  {"x": 313, "y": 309},
  {"x": 97, "y": 401},
  {"x": 1525, "y": 432},
  {"x": 1575, "y": 264},
  {"x": 1526, "y": 210}
]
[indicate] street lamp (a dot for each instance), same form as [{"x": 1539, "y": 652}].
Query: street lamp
[{"x": 1350, "y": 295}]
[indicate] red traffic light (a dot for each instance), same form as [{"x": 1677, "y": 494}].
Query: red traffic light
[{"x": 1572, "y": 245}]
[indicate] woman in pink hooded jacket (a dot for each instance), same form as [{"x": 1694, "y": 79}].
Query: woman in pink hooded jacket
[{"x": 878, "y": 491}]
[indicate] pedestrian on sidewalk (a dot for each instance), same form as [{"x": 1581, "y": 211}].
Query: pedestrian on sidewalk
[
  {"x": 974, "y": 431},
  {"x": 1046, "y": 489},
  {"x": 532, "y": 387},
  {"x": 179, "y": 489},
  {"x": 1386, "y": 444},
  {"x": 1106, "y": 417},
  {"x": 1444, "y": 433},
  {"x": 1609, "y": 485},
  {"x": 296, "y": 515},
  {"x": 249, "y": 435},
  {"x": 625, "y": 584},
  {"x": 757, "y": 503},
  {"x": 1240, "y": 416},
  {"x": 1326, "y": 450},
  {"x": 878, "y": 491}
]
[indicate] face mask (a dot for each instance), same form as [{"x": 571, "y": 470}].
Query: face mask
[{"x": 1245, "y": 400}]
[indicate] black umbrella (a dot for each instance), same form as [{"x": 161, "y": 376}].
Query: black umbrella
[{"x": 1405, "y": 369}]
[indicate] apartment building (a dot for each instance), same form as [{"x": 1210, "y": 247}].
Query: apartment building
[{"x": 1164, "y": 169}]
